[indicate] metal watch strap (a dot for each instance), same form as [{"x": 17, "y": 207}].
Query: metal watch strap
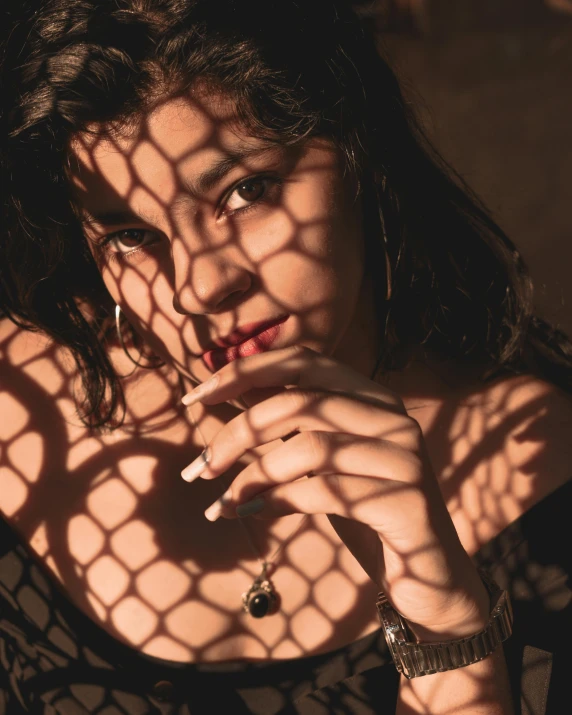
[{"x": 414, "y": 659}]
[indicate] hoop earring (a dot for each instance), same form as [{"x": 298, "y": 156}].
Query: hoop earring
[
  {"x": 152, "y": 364},
  {"x": 382, "y": 187},
  {"x": 388, "y": 271}
]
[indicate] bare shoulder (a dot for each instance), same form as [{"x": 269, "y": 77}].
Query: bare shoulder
[
  {"x": 537, "y": 420},
  {"x": 15, "y": 341},
  {"x": 510, "y": 446},
  {"x": 34, "y": 354},
  {"x": 41, "y": 377},
  {"x": 37, "y": 375},
  {"x": 35, "y": 395},
  {"x": 42, "y": 436}
]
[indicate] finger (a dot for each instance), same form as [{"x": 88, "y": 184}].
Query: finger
[
  {"x": 312, "y": 453},
  {"x": 296, "y": 411},
  {"x": 386, "y": 506},
  {"x": 294, "y": 366}
]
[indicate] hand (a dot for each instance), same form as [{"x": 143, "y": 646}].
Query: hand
[{"x": 356, "y": 456}]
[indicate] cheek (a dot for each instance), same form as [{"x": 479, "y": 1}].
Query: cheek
[
  {"x": 328, "y": 220},
  {"x": 322, "y": 270},
  {"x": 269, "y": 239},
  {"x": 165, "y": 337},
  {"x": 317, "y": 230},
  {"x": 299, "y": 282}
]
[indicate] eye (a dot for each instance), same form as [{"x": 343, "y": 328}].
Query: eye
[
  {"x": 246, "y": 193},
  {"x": 129, "y": 240}
]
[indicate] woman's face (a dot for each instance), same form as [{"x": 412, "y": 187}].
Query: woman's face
[{"x": 217, "y": 245}]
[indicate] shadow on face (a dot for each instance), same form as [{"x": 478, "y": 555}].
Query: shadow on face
[{"x": 206, "y": 235}]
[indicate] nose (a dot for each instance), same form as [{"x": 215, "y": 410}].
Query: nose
[{"x": 209, "y": 283}]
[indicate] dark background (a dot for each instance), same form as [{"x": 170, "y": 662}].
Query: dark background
[{"x": 495, "y": 80}]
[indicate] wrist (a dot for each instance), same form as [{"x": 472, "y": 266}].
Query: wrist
[
  {"x": 414, "y": 657},
  {"x": 468, "y": 614}
]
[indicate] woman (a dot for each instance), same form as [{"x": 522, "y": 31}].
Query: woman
[{"x": 230, "y": 255}]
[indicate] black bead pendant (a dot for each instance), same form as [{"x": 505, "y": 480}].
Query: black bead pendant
[
  {"x": 259, "y": 604},
  {"x": 261, "y": 599}
]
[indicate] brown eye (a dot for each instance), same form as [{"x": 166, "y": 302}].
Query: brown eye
[
  {"x": 130, "y": 239},
  {"x": 246, "y": 193},
  {"x": 250, "y": 190}
]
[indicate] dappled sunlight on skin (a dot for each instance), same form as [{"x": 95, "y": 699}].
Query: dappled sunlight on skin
[
  {"x": 107, "y": 551},
  {"x": 508, "y": 422},
  {"x": 162, "y": 585},
  {"x": 26, "y": 455},
  {"x": 308, "y": 627},
  {"x": 19, "y": 417},
  {"x": 107, "y": 580},
  {"x": 114, "y": 561},
  {"x": 134, "y": 620},
  {"x": 111, "y": 503},
  {"x": 224, "y": 255},
  {"x": 138, "y": 472},
  {"x": 319, "y": 547},
  {"x": 86, "y": 539},
  {"x": 15, "y": 491},
  {"x": 334, "y": 595},
  {"x": 108, "y": 514},
  {"x": 133, "y": 544}
]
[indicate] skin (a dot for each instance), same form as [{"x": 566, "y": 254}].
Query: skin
[
  {"x": 187, "y": 266},
  {"x": 201, "y": 263},
  {"x": 204, "y": 265},
  {"x": 206, "y": 262}
]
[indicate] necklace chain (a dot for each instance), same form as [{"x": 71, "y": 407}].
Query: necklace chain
[{"x": 266, "y": 564}]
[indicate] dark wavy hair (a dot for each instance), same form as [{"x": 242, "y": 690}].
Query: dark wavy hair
[{"x": 458, "y": 286}]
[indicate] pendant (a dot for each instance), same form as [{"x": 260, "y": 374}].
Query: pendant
[{"x": 261, "y": 598}]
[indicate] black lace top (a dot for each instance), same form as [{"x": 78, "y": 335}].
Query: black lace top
[{"x": 54, "y": 659}]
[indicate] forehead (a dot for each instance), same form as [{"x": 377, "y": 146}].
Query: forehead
[
  {"x": 177, "y": 125},
  {"x": 179, "y": 135}
]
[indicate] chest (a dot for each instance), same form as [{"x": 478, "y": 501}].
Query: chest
[
  {"x": 126, "y": 537},
  {"x": 111, "y": 519}
]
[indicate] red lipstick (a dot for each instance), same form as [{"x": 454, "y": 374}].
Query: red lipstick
[{"x": 246, "y": 340}]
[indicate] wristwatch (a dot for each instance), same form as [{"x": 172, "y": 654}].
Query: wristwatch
[{"x": 414, "y": 659}]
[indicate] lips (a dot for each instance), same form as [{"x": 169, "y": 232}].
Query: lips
[{"x": 248, "y": 340}]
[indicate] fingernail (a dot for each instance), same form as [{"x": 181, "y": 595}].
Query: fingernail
[
  {"x": 250, "y": 507},
  {"x": 215, "y": 510},
  {"x": 195, "y": 468},
  {"x": 202, "y": 390}
]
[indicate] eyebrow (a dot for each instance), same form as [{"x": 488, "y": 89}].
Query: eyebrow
[
  {"x": 206, "y": 181},
  {"x": 211, "y": 177}
]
